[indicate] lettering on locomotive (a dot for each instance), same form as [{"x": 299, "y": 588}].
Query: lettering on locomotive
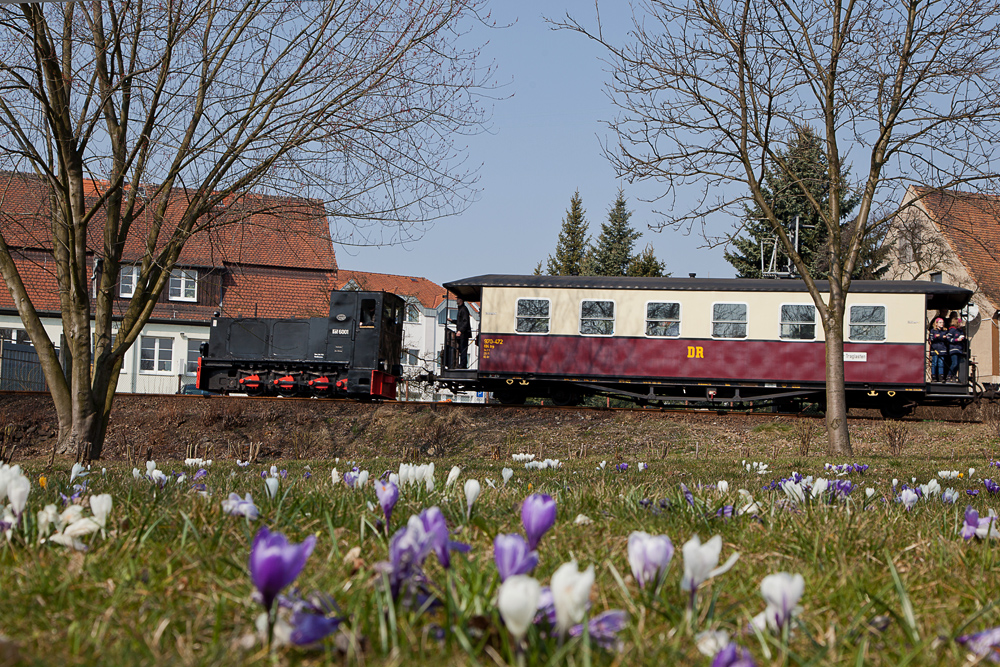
[{"x": 696, "y": 352}]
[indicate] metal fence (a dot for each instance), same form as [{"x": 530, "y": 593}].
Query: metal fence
[{"x": 20, "y": 369}]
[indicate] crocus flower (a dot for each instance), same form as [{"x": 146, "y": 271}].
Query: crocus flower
[
  {"x": 649, "y": 556},
  {"x": 362, "y": 480},
  {"x": 387, "y": 494},
  {"x": 949, "y": 496},
  {"x": 453, "y": 475},
  {"x": 507, "y": 473},
  {"x": 722, "y": 486},
  {"x": 350, "y": 478},
  {"x": 974, "y": 526},
  {"x": 984, "y": 644},
  {"x": 236, "y": 506},
  {"x": 18, "y": 489},
  {"x": 538, "y": 514},
  {"x": 688, "y": 496},
  {"x": 472, "y": 490},
  {"x": 700, "y": 561},
  {"x": 512, "y": 556},
  {"x": 603, "y": 629},
  {"x": 571, "y": 593},
  {"x": 100, "y": 507},
  {"x": 271, "y": 486},
  {"x": 909, "y": 498},
  {"x": 782, "y": 592},
  {"x": 335, "y": 477},
  {"x": 275, "y": 562},
  {"x": 201, "y": 473},
  {"x": 517, "y": 602},
  {"x": 991, "y": 486},
  {"x": 78, "y": 470},
  {"x": 733, "y": 655},
  {"x": 313, "y": 619}
]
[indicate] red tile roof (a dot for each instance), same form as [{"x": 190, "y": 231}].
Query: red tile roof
[
  {"x": 970, "y": 222},
  {"x": 428, "y": 293},
  {"x": 254, "y": 229},
  {"x": 274, "y": 258}
]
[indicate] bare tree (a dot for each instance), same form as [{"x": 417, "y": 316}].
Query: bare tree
[
  {"x": 709, "y": 94},
  {"x": 190, "y": 105}
]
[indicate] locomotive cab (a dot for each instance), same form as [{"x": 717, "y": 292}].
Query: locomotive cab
[{"x": 354, "y": 351}]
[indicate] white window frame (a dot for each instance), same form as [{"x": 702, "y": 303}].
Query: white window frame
[
  {"x": 613, "y": 319},
  {"x": 680, "y": 319},
  {"x": 135, "y": 271},
  {"x": 186, "y": 277},
  {"x": 410, "y": 353},
  {"x": 781, "y": 322},
  {"x": 548, "y": 329},
  {"x": 745, "y": 323},
  {"x": 416, "y": 308},
  {"x": 884, "y": 325},
  {"x": 187, "y": 359},
  {"x": 156, "y": 355}
]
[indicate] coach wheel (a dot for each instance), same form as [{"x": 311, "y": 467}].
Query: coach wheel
[
  {"x": 895, "y": 411},
  {"x": 563, "y": 397},
  {"x": 509, "y": 397}
]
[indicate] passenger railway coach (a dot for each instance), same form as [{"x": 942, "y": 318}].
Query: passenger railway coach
[{"x": 694, "y": 339}]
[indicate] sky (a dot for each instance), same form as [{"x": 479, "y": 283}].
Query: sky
[{"x": 544, "y": 144}]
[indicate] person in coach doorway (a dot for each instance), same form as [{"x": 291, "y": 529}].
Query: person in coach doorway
[{"x": 461, "y": 323}]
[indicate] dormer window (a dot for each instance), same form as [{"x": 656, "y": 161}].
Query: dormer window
[
  {"x": 183, "y": 285},
  {"x": 128, "y": 279}
]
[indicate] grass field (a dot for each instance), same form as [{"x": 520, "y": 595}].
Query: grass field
[{"x": 167, "y": 580}]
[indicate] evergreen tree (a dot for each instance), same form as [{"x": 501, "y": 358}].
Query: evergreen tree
[
  {"x": 571, "y": 248},
  {"x": 807, "y": 160},
  {"x": 645, "y": 265},
  {"x": 612, "y": 254}
]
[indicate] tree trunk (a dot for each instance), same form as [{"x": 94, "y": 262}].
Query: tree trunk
[{"x": 838, "y": 436}]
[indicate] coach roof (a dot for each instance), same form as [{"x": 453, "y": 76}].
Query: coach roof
[{"x": 939, "y": 295}]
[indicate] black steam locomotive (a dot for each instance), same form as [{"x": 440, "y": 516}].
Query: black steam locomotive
[{"x": 354, "y": 352}]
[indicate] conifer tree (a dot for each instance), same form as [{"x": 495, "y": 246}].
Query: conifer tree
[
  {"x": 571, "y": 248},
  {"x": 612, "y": 254},
  {"x": 645, "y": 265},
  {"x": 806, "y": 158}
]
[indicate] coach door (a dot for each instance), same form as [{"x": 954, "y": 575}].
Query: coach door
[{"x": 340, "y": 327}]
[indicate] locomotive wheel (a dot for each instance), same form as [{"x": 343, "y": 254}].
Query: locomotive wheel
[
  {"x": 563, "y": 397},
  {"x": 895, "y": 411}
]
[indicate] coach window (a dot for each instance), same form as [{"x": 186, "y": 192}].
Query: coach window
[
  {"x": 532, "y": 316},
  {"x": 663, "y": 319},
  {"x": 867, "y": 323},
  {"x": 798, "y": 322},
  {"x": 597, "y": 318},
  {"x": 729, "y": 320},
  {"x": 156, "y": 355}
]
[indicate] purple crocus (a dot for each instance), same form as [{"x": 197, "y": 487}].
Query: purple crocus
[
  {"x": 275, "y": 562},
  {"x": 236, "y": 506},
  {"x": 387, "y": 494},
  {"x": 985, "y": 644},
  {"x": 649, "y": 557},
  {"x": 974, "y": 526},
  {"x": 688, "y": 496},
  {"x": 538, "y": 514},
  {"x": 621, "y": 467},
  {"x": 350, "y": 478},
  {"x": 991, "y": 486},
  {"x": 733, "y": 655},
  {"x": 604, "y": 628},
  {"x": 198, "y": 475},
  {"x": 512, "y": 556},
  {"x": 313, "y": 619},
  {"x": 440, "y": 541}
]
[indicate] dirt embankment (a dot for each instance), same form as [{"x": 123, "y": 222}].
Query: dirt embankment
[{"x": 175, "y": 427}]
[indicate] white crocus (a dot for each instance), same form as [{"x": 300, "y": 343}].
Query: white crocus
[
  {"x": 453, "y": 476},
  {"x": 909, "y": 498},
  {"x": 271, "y": 486},
  {"x": 81, "y": 527},
  {"x": 722, "y": 486},
  {"x": 136, "y": 473},
  {"x": 782, "y": 592},
  {"x": 472, "y": 490},
  {"x": 793, "y": 491},
  {"x": 869, "y": 492},
  {"x": 17, "y": 491},
  {"x": 150, "y": 467},
  {"x": 335, "y": 477},
  {"x": 78, "y": 470},
  {"x": 100, "y": 507},
  {"x": 362, "y": 479},
  {"x": 518, "y": 603},
  {"x": 750, "y": 505},
  {"x": 570, "y": 594},
  {"x": 819, "y": 487},
  {"x": 507, "y": 474},
  {"x": 711, "y": 642},
  {"x": 700, "y": 561}
]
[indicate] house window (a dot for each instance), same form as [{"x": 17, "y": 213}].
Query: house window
[
  {"x": 16, "y": 336},
  {"x": 183, "y": 285},
  {"x": 128, "y": 279},
  {"x": 867, "y": 323},
  {"x": 193, "y": 352},
  {"x": 447, "y": 315},
  {"x": 532, "y": 316},
  {"x": 412, "y": 312},
  {"x": 410, "y": 357},
  {"x": 798, "y": 322},
  {"x": 156, "y": 355},
  {"x": 597, "y": 318},
  {"x": 937, "y": 277},
  {"x": 663, "y": 319},
  {"x": 729, "y": 320}
]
